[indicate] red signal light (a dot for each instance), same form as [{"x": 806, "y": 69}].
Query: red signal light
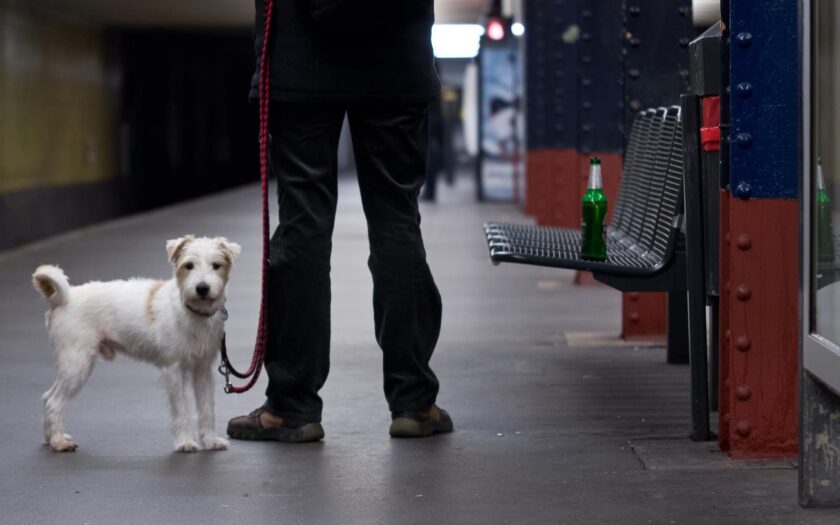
[{"x": 495, "y": 29}]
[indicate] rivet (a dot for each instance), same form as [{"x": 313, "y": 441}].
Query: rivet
[
  {"x": 743, "y": 292},
  {"x": 586, "y": 59},
  {"x": 743, "y": 190},
  {"x": 586, "y": 13},
  {"x": 633, "y": 296},
  {"x": 743, "y": 343},
  {"x": 726, "y": 286},
  {"x": 684, "y": 42},
  {"x": 684, "y": 73},
  {"x": 635, "y": 42},
  {"x": 726, "y": 237},
  {"x": 744, "y": 242},
  {"x": 743, "y": 140},
  {"x": 727, "y": 334},
  {"x": 744, "y": 89},
  {"x": 634, "y": 73},
  {"x": 586, "y": 37},
  {"x": 685, "y": 10},
  {"x": 586, "y": 82},
  {"x": 743, "y": 428},
  {"x": 586, "y": 105},
  {"x": 726, "y": 418},
  {"x": 635, "y": 104},
  {"x": 744, "y": 39},
  {"x": 634, "y": 10},
  {"x": 743, "y": 392},
  {"x": 634, "y": 317}
]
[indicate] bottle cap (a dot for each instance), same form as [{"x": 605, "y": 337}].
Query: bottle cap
[{"x": 594, "y": 161}]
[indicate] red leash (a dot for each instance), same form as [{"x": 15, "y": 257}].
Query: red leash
[{"x": 226, "y": 368}]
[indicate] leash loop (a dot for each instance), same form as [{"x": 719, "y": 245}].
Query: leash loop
[{"x": 258, "y": 358}]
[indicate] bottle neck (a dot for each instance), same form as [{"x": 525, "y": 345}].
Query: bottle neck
[
  {"x": 595, "y": 182},
  {"x": 820, "y": 179}
]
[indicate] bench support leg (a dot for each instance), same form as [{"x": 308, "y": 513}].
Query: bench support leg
[
  {"x": 677, "y": 328},
  {"x": 689, "y": 346},
  {"x": 698, "y": 362}
]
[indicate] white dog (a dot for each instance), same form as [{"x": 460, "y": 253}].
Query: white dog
[{"x": 176, "y": 325}]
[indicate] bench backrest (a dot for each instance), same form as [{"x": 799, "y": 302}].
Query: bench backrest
[{"x": 650, "y": 193}]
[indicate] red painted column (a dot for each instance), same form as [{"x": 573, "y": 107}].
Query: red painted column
[
  {"x": 763, "y": 327},
  {"x": 644, "y": 316},
  {"x": 725, "y": 335},
  {"x": 534, "y": 175}
]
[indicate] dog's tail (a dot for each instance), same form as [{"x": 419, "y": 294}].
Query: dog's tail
[{"x": 51, "y": 282}]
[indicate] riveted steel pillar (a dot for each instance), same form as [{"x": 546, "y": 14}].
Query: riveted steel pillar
[
  {"x": 655, "y": 73},
  {"x": 573, "y": 57},
  {"x": 600, "y": 90},
  {"x": 589, "y": 67},
  {"x": 761, "y": 239},
  {"x": 551, "y": 110}
]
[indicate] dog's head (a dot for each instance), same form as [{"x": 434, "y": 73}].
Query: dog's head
[{"x": 202, "y": 268}]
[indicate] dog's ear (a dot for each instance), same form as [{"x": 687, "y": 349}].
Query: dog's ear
[
  {"x": 231, "y": 249},
  {"x": 174, "y": 247}
]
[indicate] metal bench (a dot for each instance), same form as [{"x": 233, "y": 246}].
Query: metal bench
[
  {"x": 643, "y": 236},
  {"x": 645, "y": 242}
]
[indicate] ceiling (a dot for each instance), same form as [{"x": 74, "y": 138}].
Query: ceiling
[{"x": 205, "y": 13}]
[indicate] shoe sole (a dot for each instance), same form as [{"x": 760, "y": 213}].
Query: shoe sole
[
  {"x": 308, "y": 433},
  {"x": 405, "y": 427}
]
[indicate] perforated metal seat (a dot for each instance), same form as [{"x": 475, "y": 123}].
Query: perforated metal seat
[{"x": 644, "y": 232}]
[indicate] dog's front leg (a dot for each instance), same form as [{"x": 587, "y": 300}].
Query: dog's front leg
[
  {"x": 205, "y": 404},
  {"x": 174, "y": 381}
]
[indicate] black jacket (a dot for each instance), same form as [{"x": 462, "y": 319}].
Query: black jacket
[{"x": 349, "y": 50}]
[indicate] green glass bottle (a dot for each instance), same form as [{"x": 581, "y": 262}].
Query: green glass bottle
[
  {"x": 825, "y": 233},
  {"x": 593, "y": 235}
]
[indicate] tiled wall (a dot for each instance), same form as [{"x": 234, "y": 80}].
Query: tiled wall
[{"x": 58, "y": 103}]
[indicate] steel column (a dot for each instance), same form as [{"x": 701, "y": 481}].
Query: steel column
[
  {"x": 763, "y": 237},
  {"x": 655, "y": 73}
]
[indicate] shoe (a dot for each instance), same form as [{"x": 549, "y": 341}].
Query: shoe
[
  {"x": 250, "y": 428},
  {"x": 420, "y": 423}
]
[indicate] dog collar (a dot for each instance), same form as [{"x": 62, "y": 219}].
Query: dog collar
[{"x": 209, "y": 314}]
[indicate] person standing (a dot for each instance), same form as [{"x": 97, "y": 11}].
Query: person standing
[{"x": 372, "y": 61}]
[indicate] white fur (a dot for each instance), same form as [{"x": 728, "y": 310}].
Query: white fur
[{"x": 106, "y": 318}]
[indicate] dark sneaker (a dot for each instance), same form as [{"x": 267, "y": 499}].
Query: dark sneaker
[
  {"x": 421, "y": 423},
  {"x": 250, "y": 428}
]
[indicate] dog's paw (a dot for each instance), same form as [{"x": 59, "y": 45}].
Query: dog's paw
[
  {"x": 215, "y": 443},
  {"x": 187, "y": 446},
  {"x": 62, "y": 444}
]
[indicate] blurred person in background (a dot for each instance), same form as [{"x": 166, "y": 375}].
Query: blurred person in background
[{"x": 372, "y": 61}]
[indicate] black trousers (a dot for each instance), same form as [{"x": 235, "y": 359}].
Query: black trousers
[{"x": 390, "y": 143}]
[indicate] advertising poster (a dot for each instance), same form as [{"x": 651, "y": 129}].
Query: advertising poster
[{"x": 501, "y": 127}]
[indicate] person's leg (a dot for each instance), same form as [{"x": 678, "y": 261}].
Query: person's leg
[
  {"x": 304, "y": 161},
  {"x": 391, "y": 149}
]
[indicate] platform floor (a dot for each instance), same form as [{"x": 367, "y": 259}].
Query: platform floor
[{"x": 547, "y": 432}]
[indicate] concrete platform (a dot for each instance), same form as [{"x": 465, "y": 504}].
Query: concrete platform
[{"x": 545, "y": 432}]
